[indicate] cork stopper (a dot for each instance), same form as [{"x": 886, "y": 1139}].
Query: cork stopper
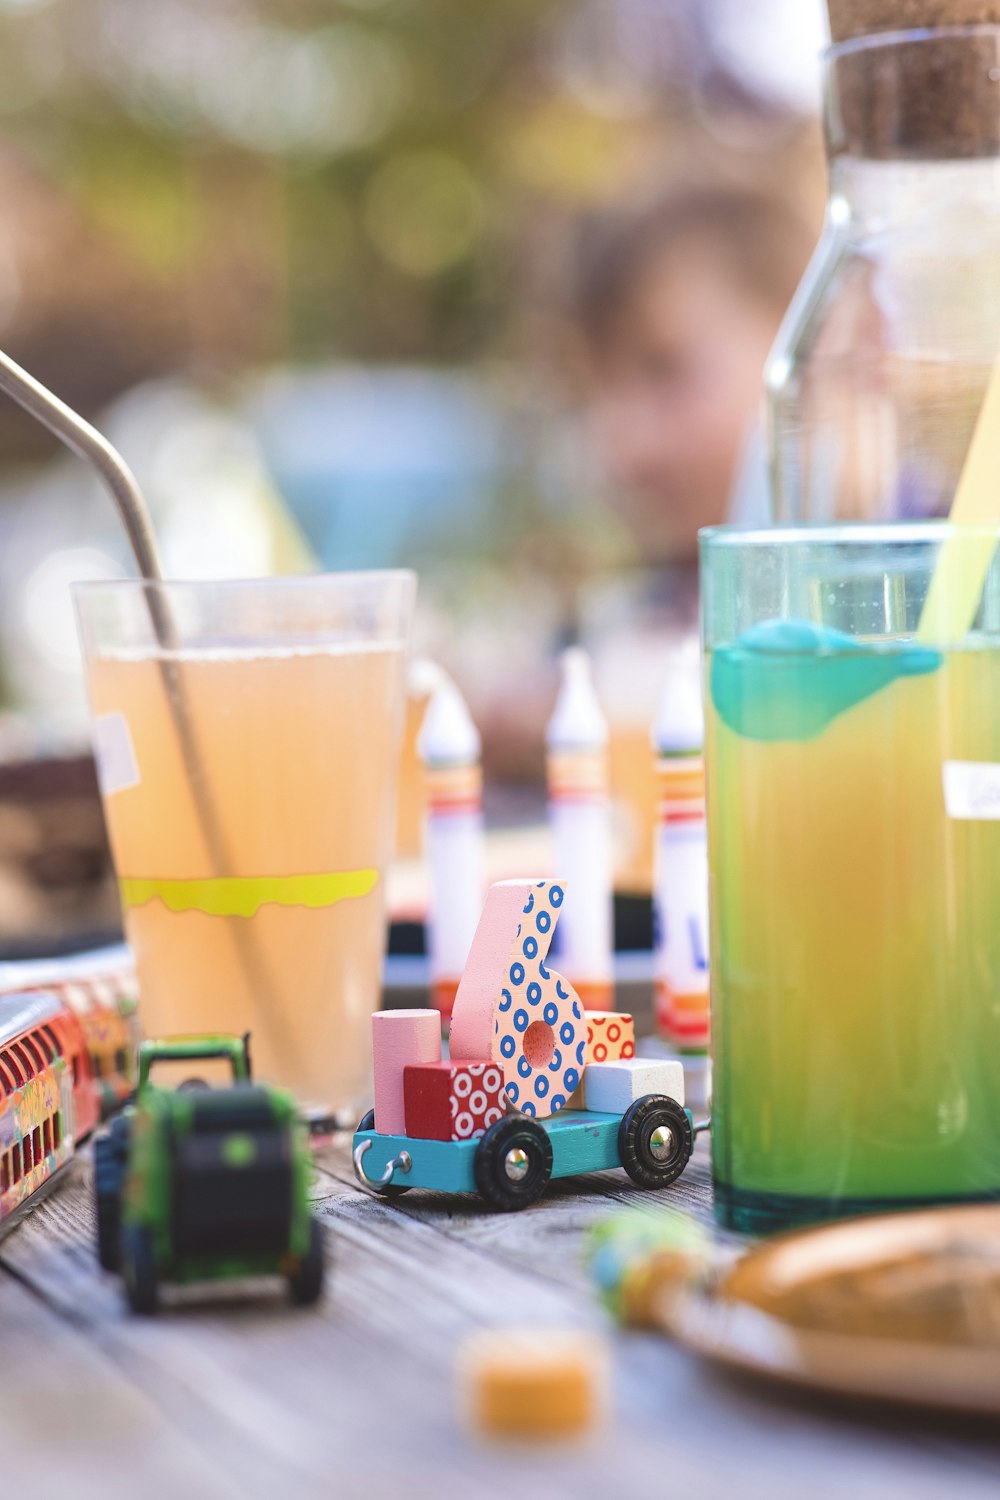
[
  {"x": 851, "y": 18},
  {"x": 909, "y": 86}
]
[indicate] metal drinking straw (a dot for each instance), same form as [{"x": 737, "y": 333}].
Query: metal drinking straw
[
  {"x": 118, "y": 478},
  {"x": 116, "y": 475}
]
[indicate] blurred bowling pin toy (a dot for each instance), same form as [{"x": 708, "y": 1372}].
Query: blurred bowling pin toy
[
  {"x": 680, "y": 889},
  {"x": 580, "y": 817},
  {"x": 449, "y": 747}
]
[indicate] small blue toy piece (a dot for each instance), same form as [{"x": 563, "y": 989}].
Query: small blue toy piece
[{"x": 511, "y": 1165}]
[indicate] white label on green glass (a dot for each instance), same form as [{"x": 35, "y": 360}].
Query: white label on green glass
[
  {"x": 117, "y": 767},
  {"x": 972, "y": 789}
]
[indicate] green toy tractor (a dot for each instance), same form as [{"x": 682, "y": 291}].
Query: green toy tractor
[{"x": 198, "y": 1183}]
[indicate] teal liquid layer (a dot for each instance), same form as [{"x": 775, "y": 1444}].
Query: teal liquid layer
[
  {"x": 770, "y": 1213},
  {"x": 787, "y": 679}
]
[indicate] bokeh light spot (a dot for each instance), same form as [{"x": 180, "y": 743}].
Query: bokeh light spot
[{"x": 423, "y": 211}]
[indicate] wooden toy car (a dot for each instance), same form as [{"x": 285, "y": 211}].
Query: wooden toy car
[
  {"x": 200, "y": 1183},
  {"x": 533, "y": 1087},
  {"x": 512, "y": 1163}
]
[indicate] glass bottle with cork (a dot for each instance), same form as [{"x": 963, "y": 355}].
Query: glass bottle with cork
[{"x": 879, "y": 370}]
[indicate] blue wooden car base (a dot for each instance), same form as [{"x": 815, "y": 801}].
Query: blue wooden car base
[{"x": 582, "y": 1141}]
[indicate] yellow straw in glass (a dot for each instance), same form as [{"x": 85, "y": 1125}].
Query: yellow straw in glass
[{"x": 957, "y": 584}]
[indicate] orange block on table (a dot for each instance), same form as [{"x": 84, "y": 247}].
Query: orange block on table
[
  {"x": 452, "y": 1100},
  {"x": 610, "y": 1036}
]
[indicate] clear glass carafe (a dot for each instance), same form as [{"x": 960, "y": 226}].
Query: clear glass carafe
[{"x": 879, "y": 369}]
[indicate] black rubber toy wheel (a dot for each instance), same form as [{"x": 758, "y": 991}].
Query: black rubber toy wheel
[
  {"x": 305, "y": 1284},
  {"x": 142, "y": 1282},
  {"x": 513, "y": 1163},
  {"x": 110, "y": 1161},
  {"x": 367, "y": 1121},
  {"x": 655, "y": 1141}
]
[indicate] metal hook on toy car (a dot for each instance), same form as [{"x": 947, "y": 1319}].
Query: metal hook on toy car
[{"x": 400, "y": 1163}]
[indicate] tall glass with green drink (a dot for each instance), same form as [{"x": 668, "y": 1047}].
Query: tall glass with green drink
[{"x": 853, "y": 787}]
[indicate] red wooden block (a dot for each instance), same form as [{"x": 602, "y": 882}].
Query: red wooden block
[
  {"x": 453, "y": 1100},
  {"x": 610, "y": 1036}
]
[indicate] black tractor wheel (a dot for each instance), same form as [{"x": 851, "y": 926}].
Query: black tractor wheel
[
  {"x": 305, "y": 1284},
  {"x": 655, "y": 1141},
  {"x": 513, "y": 1163},
  {"x": 110, "y": 1161},
  {"x": 142, "y": 1282}
]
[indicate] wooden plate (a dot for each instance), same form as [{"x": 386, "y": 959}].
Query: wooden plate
[{"x": 904, "y": 1307}]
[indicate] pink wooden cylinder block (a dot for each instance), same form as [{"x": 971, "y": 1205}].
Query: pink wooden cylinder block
[{"x": 400, "y": 1037}]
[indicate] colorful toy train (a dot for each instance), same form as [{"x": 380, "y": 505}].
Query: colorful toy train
[{"x": 67, "y": 1056}]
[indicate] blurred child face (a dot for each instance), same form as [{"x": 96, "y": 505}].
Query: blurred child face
[{"x": 678, "y": 384}]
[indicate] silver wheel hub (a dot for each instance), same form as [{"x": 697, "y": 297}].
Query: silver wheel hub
[
  {"x": 516, "y": 1164},
  {"x": 661, "y": 1143}
]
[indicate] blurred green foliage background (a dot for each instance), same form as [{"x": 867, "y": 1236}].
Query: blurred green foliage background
[{"x": 216, "y": 184}]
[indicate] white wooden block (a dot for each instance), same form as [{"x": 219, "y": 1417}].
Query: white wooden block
[{"x": 610, "y": 1087}]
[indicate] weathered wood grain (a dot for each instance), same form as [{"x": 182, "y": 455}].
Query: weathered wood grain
[
  {"x": 72, "y": 1425},
  {"x": 230, "y": 1394}
]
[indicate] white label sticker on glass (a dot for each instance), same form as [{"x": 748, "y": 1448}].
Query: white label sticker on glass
[
  {"x": 972, "y": 789},
  {"x": 117, "y": 768}
]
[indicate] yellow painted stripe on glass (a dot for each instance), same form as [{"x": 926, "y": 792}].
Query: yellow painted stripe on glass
[{"x": 243, "y": 896}]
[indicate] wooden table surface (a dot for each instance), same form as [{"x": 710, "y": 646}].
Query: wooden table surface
[{"x": 233, "y": 1396}]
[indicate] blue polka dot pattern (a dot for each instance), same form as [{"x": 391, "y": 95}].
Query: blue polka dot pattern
[{"x": 542, "y": 997}]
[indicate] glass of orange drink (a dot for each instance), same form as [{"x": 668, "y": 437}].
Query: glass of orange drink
[{"x": 248, "y": 772}]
